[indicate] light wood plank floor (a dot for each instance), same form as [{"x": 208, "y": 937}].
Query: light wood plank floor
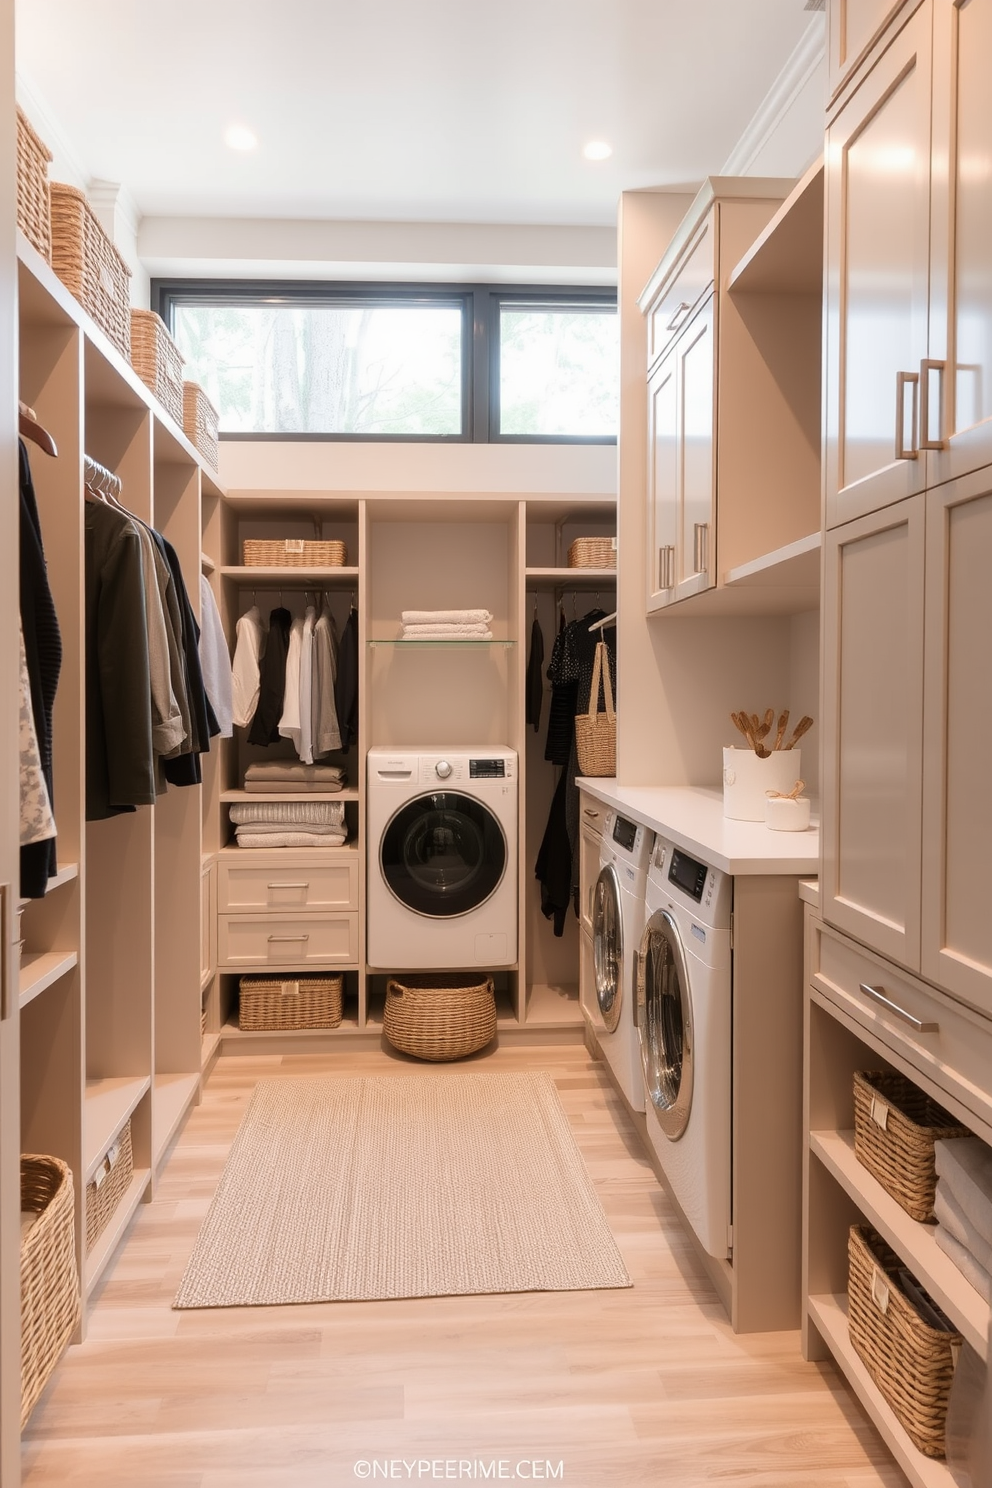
[{"x": 642, "y": 1386}]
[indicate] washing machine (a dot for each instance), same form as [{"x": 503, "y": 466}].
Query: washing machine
[
  {"x": 442, "y": 853},
  {"x": 617, "y": 921},
  {"x": 685, "y": 1026}
]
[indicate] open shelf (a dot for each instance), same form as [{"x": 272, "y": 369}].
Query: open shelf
[
  {"x": 40, "y": 969},
  {"x": 829, "y": 1313},
  {"x": 208, "y": 1049},
  {"x": 570, "y": 578},
  {"x": 442, "y": 644},
  {"x": 553, "y": 1006},
  {"x": 96, "y": 1262},
  {"x": 207, "y": 564},
  {"x": 289, "y": 578},
  {"x": 109, "y": 1102},
  {"x": 350, "y": 793},
  {"x": 787, "y": 258},
  {"x": 915, "y": 1243},
  {"x": 172, "y": 1097},
  {"x": 65, "y": 875},
  {"x": 785, "y": 581}
]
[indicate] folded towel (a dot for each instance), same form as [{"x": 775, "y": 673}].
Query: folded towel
[
  {"x": 319, "y": 829},
  {"x": 447, "y": 628},
  {"x": 247, "y": 838},
  {"x": 293, "y": 787},
  {"x": 965, "y": 1262},
  {"x": 964, "y": 1165},
  {"x": 294, "y": 770},
  {"x": 949, "y": 1213},
  {"x": 329, "y": 813},
  {"x": 446, "y": 617}
]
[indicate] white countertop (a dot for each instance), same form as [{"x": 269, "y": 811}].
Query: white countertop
[{"x": 692, "y": 817}]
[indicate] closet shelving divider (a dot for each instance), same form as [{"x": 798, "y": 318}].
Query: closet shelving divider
[{"x": 111, "y": 970}]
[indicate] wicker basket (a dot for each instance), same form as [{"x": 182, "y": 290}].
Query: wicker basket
[
  {"x": 34, "y": 211},
  {"x": 593, "y": 552},
  {"x": 895, "y": 1127},
  {"x": 295, "y": 552},
  {"x": 201, "y": 422},
  {"x": 108, "y": 1186},
  {"x": 89, "y": 265},
  {"x": 49, "y": 1279},
  {"x": 272, "y": 1003},
  {"x": 911, "y": 1362},
  {"x": 595, "y": 732},
  {"x": 158, "y": 361},
  {"x": 439, "y": 1017}
]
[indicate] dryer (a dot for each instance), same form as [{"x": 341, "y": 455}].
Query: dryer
[
  {"x": 617, "y": 920},
  {"x": 442, "y": 853},
  {"x": 684, "y": 986}
]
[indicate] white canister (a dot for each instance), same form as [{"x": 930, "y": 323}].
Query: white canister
[
  {"x": 746, "y": 777},
  {"x": 785, "y": 814}
]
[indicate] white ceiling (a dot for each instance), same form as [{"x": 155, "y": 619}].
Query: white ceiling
[{"x": 415, "y": 110}]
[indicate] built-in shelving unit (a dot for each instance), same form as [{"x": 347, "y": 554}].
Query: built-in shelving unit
[
  {"x": 787, "y": 257},
  {"x": 575, "y": 579},
  {"x": 39, "y": 969}
]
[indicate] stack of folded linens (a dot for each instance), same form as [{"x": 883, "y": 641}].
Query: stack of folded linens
[
  {"x": 447, "y": 625},
  {"x": 290, "y": 777},
  {"x": 290, "y": 823},
  {"x": 963, "y": 1208}
]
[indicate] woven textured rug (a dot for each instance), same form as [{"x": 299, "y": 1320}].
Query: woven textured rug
[{"x": 401, "y": 1186}]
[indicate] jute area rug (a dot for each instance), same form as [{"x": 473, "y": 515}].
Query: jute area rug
[{"x": 401, "y": 1186}]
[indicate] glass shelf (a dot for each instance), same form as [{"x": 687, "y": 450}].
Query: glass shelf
[{"x": 440, "y": 644}]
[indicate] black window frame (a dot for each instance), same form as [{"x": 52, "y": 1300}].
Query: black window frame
[{"x": 481, "y": 309}]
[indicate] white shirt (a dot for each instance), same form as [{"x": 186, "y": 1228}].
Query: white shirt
[
  {"x": 305, "y": 747},
  {"x": 214, "y": 661},
  {"x": 248, "y": 652},
  {"x": 289, "y": 723}
]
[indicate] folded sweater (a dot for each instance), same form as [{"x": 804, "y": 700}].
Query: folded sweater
[
  {"x": 949, "y": 1213},
  {"x": 319, "y": 829},
  {"x": 965, "y": 1262},
  {"x": 446, "y": 617},
  {"x": 294, "y": 770},
  {"x": 248, "y": 838},
  {"x": 313, "y": 813},
  {"x": 964, "y": 1166}
]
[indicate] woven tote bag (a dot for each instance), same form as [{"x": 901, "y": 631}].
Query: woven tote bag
[{"x": 595, "y": 732}]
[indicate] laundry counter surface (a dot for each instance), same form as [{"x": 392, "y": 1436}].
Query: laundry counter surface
[{"x": 692, "y": 817}]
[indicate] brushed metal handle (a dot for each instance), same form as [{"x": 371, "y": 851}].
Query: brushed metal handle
[
  {"x": 681, "y": 310},
  {"x": 878, "y": 995},
  {"x": 287, "y": 886},
  {"x": 289, "y": 937},
  {"x": 904, "y": 380},
  {"x": 700, "y": 546},
  {"x": 928, "y": 365},
  {"x": 666, "y": 566}
]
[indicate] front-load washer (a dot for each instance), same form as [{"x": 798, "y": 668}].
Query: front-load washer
[
  {"x": 685, "y": 1025},
  {"x": 442, "y": 853},
  {"x": 617, "y": 920}
]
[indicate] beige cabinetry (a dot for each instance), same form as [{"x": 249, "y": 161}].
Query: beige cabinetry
[
  {"x": 853, "y": 28},
  {"x": 733, "y": 390}
]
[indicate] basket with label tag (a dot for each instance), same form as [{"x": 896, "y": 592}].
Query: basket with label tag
[
  {"x": 895, "y": 1127},
  {"x": 295, "y": 552},
  {"x": 108, "y": 1185},
  {"x": 272, "y": 1003}
]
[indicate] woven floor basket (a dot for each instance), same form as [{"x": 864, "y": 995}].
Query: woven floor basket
[
  {"x": 201, "y": 422},
  {"x": 439, "y": 1017},
  {"x": 272, "y": 1003},
  {"x": 89, "y": 265},
  {"x": 593, "y": 552},
  {"x": 295, "y": 552},
  {"x": 158, "y": 361},
  {"x": 49, "y": 1279},
  {"x": 911, "y": 1362},
  {"x": 34, "y": 213},
  {"x": 106, "y": 1189},
  {"x": 900, "y": 1154}
]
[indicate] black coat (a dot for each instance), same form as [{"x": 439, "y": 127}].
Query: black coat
[{"x": 43, "y": 649}]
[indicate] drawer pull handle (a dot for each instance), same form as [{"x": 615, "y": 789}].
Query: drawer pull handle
[
  {"x": 288, "y": 886},
  {"x": 289, "y": 937},
  {"x": 586, "y": 811},
  {"x": 893, "y": 1007},
  {"x": 679, "y": 316}
]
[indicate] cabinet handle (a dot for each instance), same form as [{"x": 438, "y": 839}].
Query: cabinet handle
[
  {"x": 879, "y": 996},
  {"x": 928, "y": 365},
  {"x": 288, "y": 886},
  {"x": 666, "y": 566},
  {"x": 289, "y": 937},
  {"x": 700, "y": 546},
  {"x": 902, "y": 379},
  {"x": 680, "y": 313},
  {"x": 588, "y": 811}
]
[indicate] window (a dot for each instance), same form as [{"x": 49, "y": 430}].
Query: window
[{"x": 424, "y": 362}]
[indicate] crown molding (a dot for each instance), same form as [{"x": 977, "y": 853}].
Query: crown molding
[{"x": 796, "y": 73}]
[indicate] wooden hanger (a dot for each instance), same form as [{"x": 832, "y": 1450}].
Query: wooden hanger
[{"x": 29, "y": 428}]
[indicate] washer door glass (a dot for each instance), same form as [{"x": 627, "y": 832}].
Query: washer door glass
[
  {"x": 607, "y": 946},
  {"x": 666, "y": 1024},
  {"x": 443, "y": 854}
]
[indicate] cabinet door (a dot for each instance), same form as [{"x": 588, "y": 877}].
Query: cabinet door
[
  {"x": 873, "y": 725},
  {"x": 852, "y": 26},
  {"x": 957, "y": 408},
  {"x": 696, "y": 480},
  {"x": 877, "y": 284},
  {"x": 694, "y": 279},
  {"x": 662, "y": 483},
  {"x": 957, "y": 784}
]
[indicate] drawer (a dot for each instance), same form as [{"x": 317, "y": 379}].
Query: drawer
[
  {"x": 953, "y": 1048},
  {"x": 673, "y": 307},
  {"x": 278, "y": 940},
  {"x": 207, "y": 922},
  {"x": 299, "y": 882}
]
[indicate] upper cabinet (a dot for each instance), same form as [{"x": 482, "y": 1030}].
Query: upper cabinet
[
  {"x": 909, "y": 284},
  {"x": 733, "y": 386},
  {"x": 853, "y": 28}
]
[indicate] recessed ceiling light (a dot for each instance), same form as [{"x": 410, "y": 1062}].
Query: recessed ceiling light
[
  {"x": 597, "y": 150},
  {"x": 239, "y": 137}
]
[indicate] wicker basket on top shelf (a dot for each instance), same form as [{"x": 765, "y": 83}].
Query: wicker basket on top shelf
[
  {"x": 49, "y": 1278},
  {"x": 158, "y": 361},
  {"x": 201, "y": 422},
  {"x": 34, "y": 211},
  {"x": 89, "y": 265},
  {"x": 895, "y": 1127},
  {"x": 108, "y": 1186},
  {"x": 593, "y": 552},
  {"x": 295, "y": 552}
]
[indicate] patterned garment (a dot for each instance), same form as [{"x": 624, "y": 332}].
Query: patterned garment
[{"x": 37, "y": 821}]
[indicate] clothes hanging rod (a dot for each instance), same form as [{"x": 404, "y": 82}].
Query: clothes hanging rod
[{"x": 100, "y": 478}]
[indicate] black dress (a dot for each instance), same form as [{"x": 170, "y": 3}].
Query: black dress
[
  {"x": 272, "y": 680},
  {"x": 43, "y": 649}
]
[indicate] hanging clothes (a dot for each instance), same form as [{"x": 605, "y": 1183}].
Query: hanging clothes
[
  {"x": 305, "y": 749},
  {"x": 183, "y": 767},
  {"x": 535, "y": 676},
  {"x": 168, "y": 727},
  {"x": 289, "y": 720},
  {"x": 346, "y": 685},
  {"x": 37, "y": 821},
  {"x": 554, "y": 861},
  {"x": 249, "y": 649},
  {"x": 43, "y": 658},
  {"x": 214, "y": 661},
  {"x": 326, "y": 732},
  {"x": 272, "y": 680}
]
